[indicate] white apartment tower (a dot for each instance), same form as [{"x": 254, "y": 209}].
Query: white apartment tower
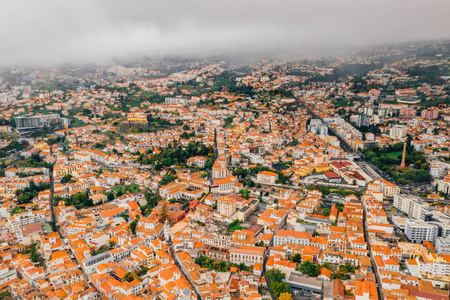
[{"x": 418, "y": 231}]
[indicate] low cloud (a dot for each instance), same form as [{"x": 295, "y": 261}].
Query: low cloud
[{"x": 94, "y": 31}]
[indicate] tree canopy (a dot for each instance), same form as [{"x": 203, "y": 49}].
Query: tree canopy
[{"x": 309, "y": 268}]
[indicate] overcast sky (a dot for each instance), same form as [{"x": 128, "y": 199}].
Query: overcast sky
[{"x": 93, "y": 31}]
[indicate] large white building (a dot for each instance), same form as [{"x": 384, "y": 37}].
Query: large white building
[
  {"x": 419, "y": 231},
  {"x": 390, "y": 190},
  {"x": 421, "y": 211},
  {"x": 226, "y": 206},
  {"x": 18, "y": 220},
  {"x": 266, "y": 177},
  {"x": 443, "y": 245},
  {"x": 398, "y": 132},
  {"x": 174, "y": 100},
  {"x": 412, "y": 206},
  {"x": 434, "y": 266},
  {"x": 224, "y": 185},
  {"x": 438, "y": 168},
  {"x": 283, "y": 237},
  {"x": 443, "y": 185},
  {"x": 219, "y": 170},
  {"x": 30, "y": 121},
  {"x": 248, "y": 255}
]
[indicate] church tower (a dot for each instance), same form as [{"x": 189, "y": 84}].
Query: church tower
[{"x": 167, "y": 234}]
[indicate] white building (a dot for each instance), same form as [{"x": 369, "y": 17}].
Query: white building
[
  {"x": 438, "y": 168},
  {"x": 443, "y": 185},
  {"x": 437, "y": 267},
  {"x": 283, "y": 237},
  {"x": 6, "y": 209},
  {"x": 7, "y": 275},
  {"x": 398, "y": 132},
  {"x": 443, "y": 245},
  {"x": 412, "y": 206},
  {"x": 226, "y": 206},
  {"x": 419, "y": 231},
  {"x": 248, "y": 255},
  {"x": 17, "y": 221},
  {"x": 173, "y": 100},
  {"x": 224, "y": 185},
  {"x": 391, "y": 190},
  {"x": 267, "y": 177}
]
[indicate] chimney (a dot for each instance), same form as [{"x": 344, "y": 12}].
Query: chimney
[{"x": 403, "y": 165}]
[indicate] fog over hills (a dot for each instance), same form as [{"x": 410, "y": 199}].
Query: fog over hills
[{"x": 53, "y": 32}]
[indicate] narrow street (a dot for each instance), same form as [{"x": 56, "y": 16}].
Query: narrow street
[
  {"x": 366, "y": 237},
  {"x": 58, "y": 229},
  {"x": 174, "y": 255},
  {"x": 366, "y": 165}
]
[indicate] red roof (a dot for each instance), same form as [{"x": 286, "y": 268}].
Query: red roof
[{"x": 331, "y": 175}]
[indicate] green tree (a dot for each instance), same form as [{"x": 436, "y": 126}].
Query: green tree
[
  {"x": 371, "y": 155},
  {"x": 86, "y": 112},
  {"x": 279, "y": 288},
  {"x": 128, "y": 277},
  {"x": 348, "y": 268},
  {"x": 143, "y": 270},
  {"x": 275, "y": 275},
  {"x": 133, "y": 226},
  {"x": 245, "y": 193},
  {"x": 110, "y": 196},
  {"x": 250, "y": 182},
  {"x": 125, "y": 217},
  {"x": 309, "y": 268},
  {"x": 239, "y": 171},
  {"x": 233, "y": 226},
  {"x": 228, "y": 120},
  {"x": 24, "y": 198},
  {"x": 167, "y": 179},
  {"x": 222, "y": 266},
  {"x": 297, "y": 258},
  {"x": 340, "y": 206},
  {"x": 34, "y": 255},
  {"x": 98, "y": 145},
  {"x": 66, "y": 178},
  {"x": 5, "y": 295},
  {"x": 209, "y": 164}
]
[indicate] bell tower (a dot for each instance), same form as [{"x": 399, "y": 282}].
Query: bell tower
[{"x": 167, "y": 234}]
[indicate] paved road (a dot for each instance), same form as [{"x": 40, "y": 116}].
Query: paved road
[
  {"x": 365, "y": 164},
  {"x": 172, "y": 252},
  {"x": 58, "y": 228},
  {"x": 344, "y": 144},
  {"x": 366, "y": 236},
  {"x": 306, "y": 184}
]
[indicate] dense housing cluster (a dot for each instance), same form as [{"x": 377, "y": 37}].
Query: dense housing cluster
[{"x": 320, "y": 179}]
